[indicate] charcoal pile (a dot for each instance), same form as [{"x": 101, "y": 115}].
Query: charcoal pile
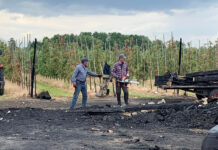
[
  {"x": 196, "y": 116},
  {"x": 162, "y": 80},
  {"x": 193, "y": 116},
  {"x": 44, "y": 95},
  {"x": 184, "y": 116},
  {"x": 204, "y": 78},
  {"x": 172, "y": 79},
  {"x": 178, "y": 115}
]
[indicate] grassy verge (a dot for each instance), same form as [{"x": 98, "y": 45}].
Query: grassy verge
[
  {"x": 142, "y": 95},
  {"x": 54, "y": 91},
  {"x": 4, "y": 97},
  {"x": 139, "y": 95},
  {"x": 57, "y": 92}
]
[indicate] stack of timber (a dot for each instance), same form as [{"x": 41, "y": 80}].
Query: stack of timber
[
  {"x": 208, "y": 78},
  {"x": 163, "y": 80}
]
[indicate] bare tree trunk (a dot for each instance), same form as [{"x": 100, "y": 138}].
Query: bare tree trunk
[
  {"x": 29, "y": 68},
  {"x": 87, "y": 49},
  {"x": 150, "y": 68},
  {"x": 94, "y": 78},
  {"x": 22, "y": 65},
  {"x": 165, "y": 56},
  {"x": 143, "y": 61},
  {"x": 90, "y": 82},
  {"x": 157, "y": 55}
]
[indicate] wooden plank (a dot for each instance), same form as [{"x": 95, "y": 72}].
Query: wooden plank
[
  {"x": 207, "y": 78},
  {"x": 195, "y": 74},
  {"x": 162, "y": 80},
  {"x": 189, "y": 87}
]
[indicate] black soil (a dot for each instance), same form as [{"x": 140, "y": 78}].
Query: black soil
[{"x": 180, "y": 125}]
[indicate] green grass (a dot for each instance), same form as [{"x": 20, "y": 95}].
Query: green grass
[
  {"x": 57, "y": 92},
  {"x": 139, "y": 95},
  {"x": 4, "y": 97},
  {"x": 181, "y": 92},
  {"x": 53, "y": 90},
  {"x": 142, "y": 95}
]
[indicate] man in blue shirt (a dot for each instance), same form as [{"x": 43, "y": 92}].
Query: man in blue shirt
[{"x": 79, "y": 81}]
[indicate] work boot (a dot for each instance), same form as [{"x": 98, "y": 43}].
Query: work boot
[
  {"x": 71, "y": 109},
  {"x": 123, "y": 106},
  {"x": 118, "y": 99},
  {"x": 119, "y": 102}
]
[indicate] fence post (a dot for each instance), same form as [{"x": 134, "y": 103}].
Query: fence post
[
  {"x": 180, "y": 56},
  {"x": 33, "y": 68}
]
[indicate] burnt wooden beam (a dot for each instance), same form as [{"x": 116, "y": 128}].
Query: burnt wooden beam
[
  {"x": 195, "y": 74},
  {"x": 180, "y": 55},
  {"x": 33, "y": 68},
  {"x": 189, "y": 87},
  {"x": 207, "y": 78}
]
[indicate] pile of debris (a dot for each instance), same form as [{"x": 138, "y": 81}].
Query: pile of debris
[
  {"x": 44, "y": 95},
  {"x": 195, "y": 116},
  {"x": 175, "y": 115},
  {"x": 186, "y": 116}
]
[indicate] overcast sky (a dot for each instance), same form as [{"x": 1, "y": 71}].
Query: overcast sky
[{"x": 193, "y": 20}]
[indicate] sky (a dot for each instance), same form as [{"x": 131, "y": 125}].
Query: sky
[{"x": 192, "y": 20}]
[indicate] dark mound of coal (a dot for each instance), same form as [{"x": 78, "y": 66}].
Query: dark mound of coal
[
  {"x": 196, "y": 116},
  {"x": 193, "y": 116},
  {"x": 44, "y": 95}
]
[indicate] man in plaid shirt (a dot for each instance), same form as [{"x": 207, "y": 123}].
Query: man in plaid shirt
[{"x": 120, "y": 71}]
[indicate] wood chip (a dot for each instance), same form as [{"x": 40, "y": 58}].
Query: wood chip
[
  {"x": 110, "y": 131},
  {"x": 95, "y": 129}
]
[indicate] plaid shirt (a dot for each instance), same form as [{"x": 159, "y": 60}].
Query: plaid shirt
[{"x": 120, "y": 70}]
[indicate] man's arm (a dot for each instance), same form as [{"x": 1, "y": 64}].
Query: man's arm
[
  {"x": 75, "y": 73},
  {"x": 127, "y": 69},
  {"x": 114, "y": 72},
  {"x": 92, "y": 73}
]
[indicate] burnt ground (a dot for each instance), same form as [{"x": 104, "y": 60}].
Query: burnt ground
[{"x": 36, "y": 124}]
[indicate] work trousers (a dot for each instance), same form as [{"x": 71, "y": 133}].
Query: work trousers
[
  {"x": 80, "y": 86},
  {"x": 124, "y": 87}
]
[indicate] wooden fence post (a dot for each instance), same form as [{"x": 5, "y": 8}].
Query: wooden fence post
[{"x": 33, "y": 69}]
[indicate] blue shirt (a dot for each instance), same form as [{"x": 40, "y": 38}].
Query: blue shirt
[{"x": 81, "y": 72}]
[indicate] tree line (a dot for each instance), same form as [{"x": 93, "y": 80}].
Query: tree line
[{"x": 58, "y": 56}]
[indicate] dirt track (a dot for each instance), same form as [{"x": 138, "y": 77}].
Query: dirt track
[{"x": 177, "y": 125}]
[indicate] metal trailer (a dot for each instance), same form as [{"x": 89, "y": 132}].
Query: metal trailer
[
  {"x": 210, "y": 92},
  {"x": 203, "y": 84}
]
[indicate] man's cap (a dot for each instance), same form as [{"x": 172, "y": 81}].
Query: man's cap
[
  {"x": 122, "y": 56},
  {"x": 84, "y": 60}
]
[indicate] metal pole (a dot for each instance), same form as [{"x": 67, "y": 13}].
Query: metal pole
[
  {"x": 33, "y": 68},
  {"x": 180, "y": 56}
]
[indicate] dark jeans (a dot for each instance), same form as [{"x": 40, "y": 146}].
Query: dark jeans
[
  {"x": 80, "y": 86},
  {"x": 125, "y": 91}
]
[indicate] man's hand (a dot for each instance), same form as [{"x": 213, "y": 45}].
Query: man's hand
[
  {"x": 123, "y": 77},
  {"x": 119, "y": 79},
  {"x": 74, "y": 85},
  {"x": 99, "y": 75}
]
